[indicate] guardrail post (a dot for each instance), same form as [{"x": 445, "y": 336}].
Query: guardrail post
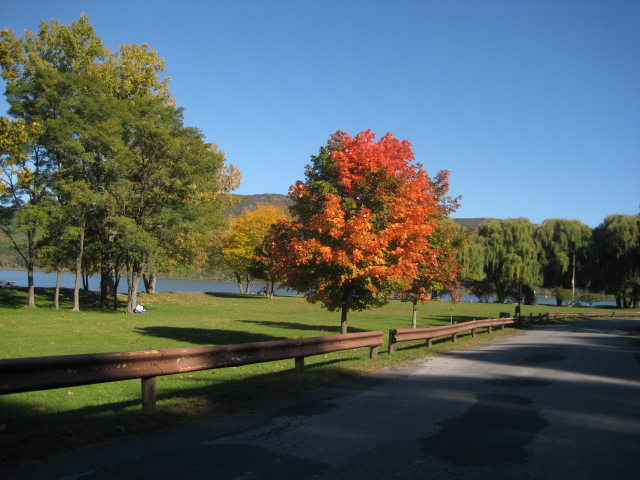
[
  {"x": 148, "y": 393},
  {"x": 454, "y": 337},
  {"x": 473, "y": 332},
  {"x": 490, "y": 329},
  {"x": 429, "y": 342},
  {"x": 373, "y": 353},
  {"x": 299, "y": 367},
  {"x": 392, "y": 341}
]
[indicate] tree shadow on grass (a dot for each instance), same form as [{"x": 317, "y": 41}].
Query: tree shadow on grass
[
  {"x": 243, "y": 296},
  {"x": 206, "y": 336},
  {"x": 446, "y": 319},
  {"x": 303, "y": 326},
  {"x": 16, "y": 297}
]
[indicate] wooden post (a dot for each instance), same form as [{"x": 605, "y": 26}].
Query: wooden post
[
  {"x": 473, "y": 332},
  {"x": 392, "y": 341},
  {"x": 490, "y": 329},
  {"x": 454, "y": 337},
  {"x": 148, "y": 394},
  {"x": 373, "y": 353},
  {"x": 300, "y": 367}
]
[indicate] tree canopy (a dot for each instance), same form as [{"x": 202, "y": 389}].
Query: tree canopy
[
  {"x": 362, "y": 224},
  {"x": 111, "y": 151}
]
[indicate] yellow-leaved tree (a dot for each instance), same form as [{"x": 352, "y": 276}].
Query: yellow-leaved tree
[{"x": 246, "y": 233}]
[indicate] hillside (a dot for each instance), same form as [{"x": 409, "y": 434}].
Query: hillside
[
  {"x": 469, "y": 223},
  {"x": 250, "y": 202}
]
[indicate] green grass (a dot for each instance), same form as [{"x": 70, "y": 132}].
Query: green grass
[{"x": 38, "y": 424}]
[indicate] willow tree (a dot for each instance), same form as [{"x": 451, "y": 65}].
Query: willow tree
[
  {"x": 615, "y": 251},
  {"x": 563, "y": 246},
  {"x": 510, "y": 255},
  {"x": 362, "y": 222}
]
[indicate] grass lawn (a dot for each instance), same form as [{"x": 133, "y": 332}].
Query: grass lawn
[{"x": 38, "y": 424}]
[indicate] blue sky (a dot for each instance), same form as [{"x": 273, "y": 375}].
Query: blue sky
[{"x": 534, "y": 106}]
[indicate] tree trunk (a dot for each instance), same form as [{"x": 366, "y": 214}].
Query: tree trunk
[
  {"x": 150, "y": 281},
  {"x": 116, "y": 283},
  {"x": 133, "y": 278},
  {"x": 343, "y": 319},
  {"x": 56, "y": 293},
  {"x": 106, "y": 283},
  {"x": 31, "y": 302},
  {"x": 249, "y": 282},
  {"x": 76, "y": 289},
  {"x": 239, "y": 280},
  {"x": 414, "y": 316}
]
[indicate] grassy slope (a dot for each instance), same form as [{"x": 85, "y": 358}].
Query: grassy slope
[{"x": 37, "y": 424}]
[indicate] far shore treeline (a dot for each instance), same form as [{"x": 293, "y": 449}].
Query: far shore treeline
[{"x": 101, "y": 176}]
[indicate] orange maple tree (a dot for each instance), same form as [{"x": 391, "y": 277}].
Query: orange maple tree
[{"x": 362, "y": 226}]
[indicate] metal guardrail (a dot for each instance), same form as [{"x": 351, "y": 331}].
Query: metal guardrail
[
  {"x": 593, "y": 314},
  {"x": 407, "y": 334},
  {"x": 43, "y": 373}
]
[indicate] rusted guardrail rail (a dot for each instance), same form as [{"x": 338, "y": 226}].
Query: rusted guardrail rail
[
  {"x": 43, "y": 373},
  {"x": 593, "y": 314},
  {"x": 407, "y": 334}
]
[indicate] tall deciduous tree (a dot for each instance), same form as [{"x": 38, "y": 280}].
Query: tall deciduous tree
[
  {"x": 51, "y": 79},
  {"x": 362, "y": 223},
  {"x": 563, "y": 246},
  {"x": 113, "y": 149},
  {"x": 21, "y": 191}
]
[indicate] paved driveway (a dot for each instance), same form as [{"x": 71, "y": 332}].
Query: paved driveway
[{"x": 549, "y": 402}]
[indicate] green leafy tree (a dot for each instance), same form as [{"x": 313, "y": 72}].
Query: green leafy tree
[
  {"x": 510, "y": 254},
  {"x": 563, "y": 247},
  {"x": 113, "y": 151},
  {"x": 615, "y": 249},
  {"x": 21, "y": 191},
  {"x": 51, "y": 80}
]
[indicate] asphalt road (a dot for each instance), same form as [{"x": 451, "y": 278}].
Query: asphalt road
[{"x": 549, "y": 402}]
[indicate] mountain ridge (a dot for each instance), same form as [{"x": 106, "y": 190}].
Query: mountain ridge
[{"x": 251, "y": 202}]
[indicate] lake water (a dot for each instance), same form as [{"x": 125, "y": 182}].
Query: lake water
[{"x": 67, "y": 280}]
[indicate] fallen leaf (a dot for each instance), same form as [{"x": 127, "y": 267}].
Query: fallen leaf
[
  {"x": 38, "y": 409},
  {"x": 69, "y": 393}
]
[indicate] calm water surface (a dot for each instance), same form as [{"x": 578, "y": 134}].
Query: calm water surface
[{"x": 67, "y": 280}]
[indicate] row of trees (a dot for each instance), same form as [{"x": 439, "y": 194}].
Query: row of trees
[
  {"x": 99, "y": 173},
  {"x": 368, "y": 224},
  {"x": 506, "y": 258}
]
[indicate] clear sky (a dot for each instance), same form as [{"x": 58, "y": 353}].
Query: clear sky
[{"x": 533, "y": 106}]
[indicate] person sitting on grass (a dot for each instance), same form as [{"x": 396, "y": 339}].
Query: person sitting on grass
[{"x": 139, "y": 309}]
